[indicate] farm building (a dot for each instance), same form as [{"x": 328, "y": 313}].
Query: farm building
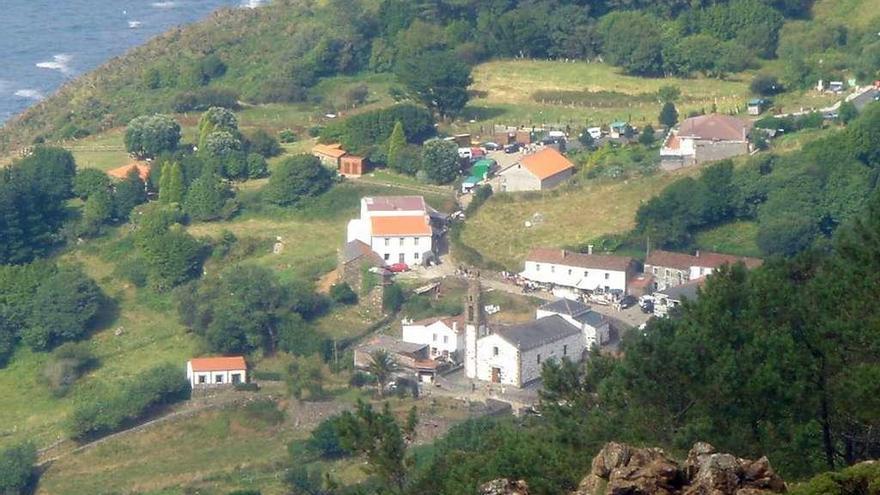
[
  {"x": 121, "y": 173},
  {"x": 756, "y": 106},
  {"x": 543, "y": 170},
  {"x": 352, "y": 166},
  {"x": 703, "y": 139},
  {"x": 329, "y": 154},
  {"x": 397, "y": 228},
  {"x": 214, "y": 371}
]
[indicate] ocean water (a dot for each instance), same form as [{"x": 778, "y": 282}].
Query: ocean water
[{"x": 44, "y": 43}]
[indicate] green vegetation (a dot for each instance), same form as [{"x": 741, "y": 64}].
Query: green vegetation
[
  {"x": 17, "y": 472},
  {"x": 150, "y": 135},
  {"x": 297, "y": 179}
]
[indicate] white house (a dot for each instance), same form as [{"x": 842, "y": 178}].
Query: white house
[
  {"x": 594, "y": 326},
  {"x": 397, "y": 228},
  {"x": 444, "y": 336},
  {"x": 513, "y": 355},
  {"x": 212, "y": 371},
  {"x": 584, "y": 272}
]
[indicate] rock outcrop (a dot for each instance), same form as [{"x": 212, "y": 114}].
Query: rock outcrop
[
  {"x": 624, "y": 470},
  {"x": 504, "y": 487}
]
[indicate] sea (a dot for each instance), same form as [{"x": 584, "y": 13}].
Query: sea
[{"x": 44, "y": 43}]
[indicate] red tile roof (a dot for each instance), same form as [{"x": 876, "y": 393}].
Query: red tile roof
[
  {"x": 683, "y": 261},
  {"x": 715, "y": 127},
  {"x": 568, "y": 258},
  {"x": 218, "y": 363},
  {"x": 404, "y": 225},
  {"x": 546, "y": 163},
  {"x": 331, "y": 150},
  {"x": 121, "y": 173}
]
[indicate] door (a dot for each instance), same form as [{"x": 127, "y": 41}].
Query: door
[
  {"x": 400, "y": 258},
  {"x": 496, "y": 375}
]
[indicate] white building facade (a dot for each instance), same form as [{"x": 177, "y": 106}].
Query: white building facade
[
  {"x": 214, "y": 371},
  {"x": 595, "y": 328},
  {"x": 397, "y": 228},
  {"x": 444, "y": 336},
  {"x": 586, "y": 272}
]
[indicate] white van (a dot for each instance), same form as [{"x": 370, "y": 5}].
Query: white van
[
  {"x": 594, "y": 132},
  {"x": 465, "y": 153}
]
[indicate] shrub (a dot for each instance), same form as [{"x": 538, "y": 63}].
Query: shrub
[
  {"x": 69, "y": 362},
  {"x": 287, "y": 136},
  {"x": 297, "y": 178},
  {"x": 264, "y": 144},
  {"x": 17, "y": 472},
  {"x": 343, "y": 294},
  {"x": 324, "y": 440},
  {"x": 269, "y": 376},
  {"x": 204, "y": 98},
  {"x": 393, "y": 298},
  {"x": 765, "y": 85},
  {"x": 246, "y": 387},
  {"x": 360, "y": 379}
]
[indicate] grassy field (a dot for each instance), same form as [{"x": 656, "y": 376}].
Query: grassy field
[
  {"x": 734, "y": 238},
  {"x": 855, "y": 13},
  {"x": 567, "y": 216}
]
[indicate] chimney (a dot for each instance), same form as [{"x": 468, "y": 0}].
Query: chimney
[
  {"x": 564, "y": 253},
  {"x": 454, "y": 327},
  {"x": 590, "y": 249},
  {"x": 697, "y": 254}
]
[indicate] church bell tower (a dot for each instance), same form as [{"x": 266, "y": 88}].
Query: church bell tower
[{"x": 475, "y": 323}]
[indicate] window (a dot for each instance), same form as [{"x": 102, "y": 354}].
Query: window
[
  {"x": 655, "y": 270},
  {"x": 387, "y": 241},
  {"x": 565, "y": 350},
  {"x": 203, "y": 379},
  {"x": 537, "y": 267},
  {"x": 415, "y": 241},
  {"x": 416, "y": 256},
  {"x": 552, "y": 269},
  {"x": 236, "y": 378},
  {"x": 387, "y": 257},
  {"x": 401, "y": 241},
  {"x": 446, "y": 339},
  {"x": 218, "y": 378},
  {"x": 701, "y": 270},
  {"x": 586, "y": 273},
  {"x": 435, "y": 337},
  {"x": 667, "y": 272},
  {"x": 494, "y": 351},
  {"x": 539, "y": 359},
  {"x": 607, "y": 275},
  {"x": 569, "y": 271}
]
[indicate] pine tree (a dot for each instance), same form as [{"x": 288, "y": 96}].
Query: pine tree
[
  {"x": 396, "y": 143},
  {"x": 171, "y": 183},
  {"x": 164, "y": 177},
  {"x": 668, "y": 115}
]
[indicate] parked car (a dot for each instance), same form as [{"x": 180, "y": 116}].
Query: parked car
[
  {"x": 490, "y": 146},
  {"x": 398, "y": 268},
  {"x": 594, "y": 132},
  {"x": 627, "y": 302},
  {"x": 512, "y": 148}
]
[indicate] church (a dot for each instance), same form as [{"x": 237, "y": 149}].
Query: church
[{"x": 513, "y": 354}]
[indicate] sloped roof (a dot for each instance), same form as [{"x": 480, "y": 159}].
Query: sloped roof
[
  {"x": 568, "y": 258},
  {"x": 715, "y": 127},
  {"x": 121, "y": 173},
  {"x": 686, "y": 290},
  {"x": 450, "y": 321},
  {"x": 546, "y": 163},
  {"x": 527, "y": 336},
  {"x": 218, "y": 363},
  {"x": 404, "y": 225},
  {"x": 331, "y": 150},
  {"x": 683, "y": 261},
  {"x": 395, "y": 203},
  {"x": 579, "y": 311},
  {"x": 356, "y": 249},
  {"x": 390, "y": 344}
]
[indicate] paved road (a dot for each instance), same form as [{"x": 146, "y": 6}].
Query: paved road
[{"x": 862, "y": 100}]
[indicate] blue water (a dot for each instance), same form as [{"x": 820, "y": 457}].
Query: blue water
[{"x": 44, "y": 43}]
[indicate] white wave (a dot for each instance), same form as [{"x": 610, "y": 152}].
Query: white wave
[
  {"x": 134, "y": 24},
  {"x": 251, "y": 4},
  {"x": 60, "y": 62},
  {"x": 30, "y": 94},
  {"x": 164, "y": 5}
]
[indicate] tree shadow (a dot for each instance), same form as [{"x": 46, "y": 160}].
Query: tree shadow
[
  {"x": 107, "y": 315},
  {"x": 480, "y": 113}
]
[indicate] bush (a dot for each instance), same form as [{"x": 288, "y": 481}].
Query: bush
[
  {"x": 360, "y": 379},
  {"x": 343, "y": 294},
  {"x": 297, "y": 178},
  {"x": 109, "y": 408},
  {"x": 287, "y": 136},
  {"x": 246, "y": 387},
  {"x": 204, "y": 98},
  {"x": 765, "y": 85},
  {"x": 269, "y": 376},
  {"x": 69, "y": 362},
  {"x": 324, "y": 440},
  {"x": 393, "y": 298},
  {"x": 264, "y": 144},
  {"x": 17, "y": 472}
]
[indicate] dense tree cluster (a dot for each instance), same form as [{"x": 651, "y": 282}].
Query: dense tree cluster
[
  {"x": 17, "y": 468},
  {"x": 149, "y": 135},
  {"x": 247, "y": 308},
  {"x": 297, "y": 178},
  {"x": 797, "y": 199},
  {"x": 368, "y": 133}
]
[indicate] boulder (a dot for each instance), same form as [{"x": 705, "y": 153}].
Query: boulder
[{"x": 504, "y": 487}]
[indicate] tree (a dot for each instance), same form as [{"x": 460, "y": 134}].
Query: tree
[
  {"x": 65, "y": 308},
  {"x": 438, "y": 79},
  {"x": 325, "y": 440},
  {"x": 88, "y": 181},
  {"x": 172, "y": 256},
  {"x": 668, "y": 94},
  {"x": 847, "y": 112},
  {"x": 393, "y": 298},
  {"x": 256, "y": 166},
  {"x": 765, "y": 85},
  {"x": 17, "y": 473},
  {"x": 668, "y": 115},
  {"x": 264, "y": 144},
  {"x": 97, "y": 211},
  {"x": 343, "y": 294},
  {"x": 306, "y": 374},
  {"x": 631, "y": 40},
  {"x": 221, "y": 143},
  {"x": 206, "y": 198},
  {"x": 382, "y": 365},
  {"x": 646, "y": 137},
  {"x": 586, "y": 139},
  {"x": 377, "y": 436},
  {"x": 440, "y": 161},
  {"x": 396, "y": 144},
  {"x": 129, "y": 193},
  {"x": 216, "y": 119},
  {"x": 297, "y": 178},
  {"x": 150, "y": 135},
  {"x": 171, "y": 183},
  {"x": 412, "y": 421}
]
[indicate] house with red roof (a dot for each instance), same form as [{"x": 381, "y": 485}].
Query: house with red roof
[
  {"x": 329, "y": 154},
  {"x": 705, "y": 138},
  {"x": 214, "y": 371},
  {"x": 579, "y": 271},
  {"x": 670, "y": 269},
  {"x": 398, "y": 229},
  {"x": 538, "y": 171}
]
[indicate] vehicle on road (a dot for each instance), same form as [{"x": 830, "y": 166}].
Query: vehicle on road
[
  {"x": 398, "y": 268},
  {"x": 490, "y": 146},
  {"x": 512, "y": 148}
]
